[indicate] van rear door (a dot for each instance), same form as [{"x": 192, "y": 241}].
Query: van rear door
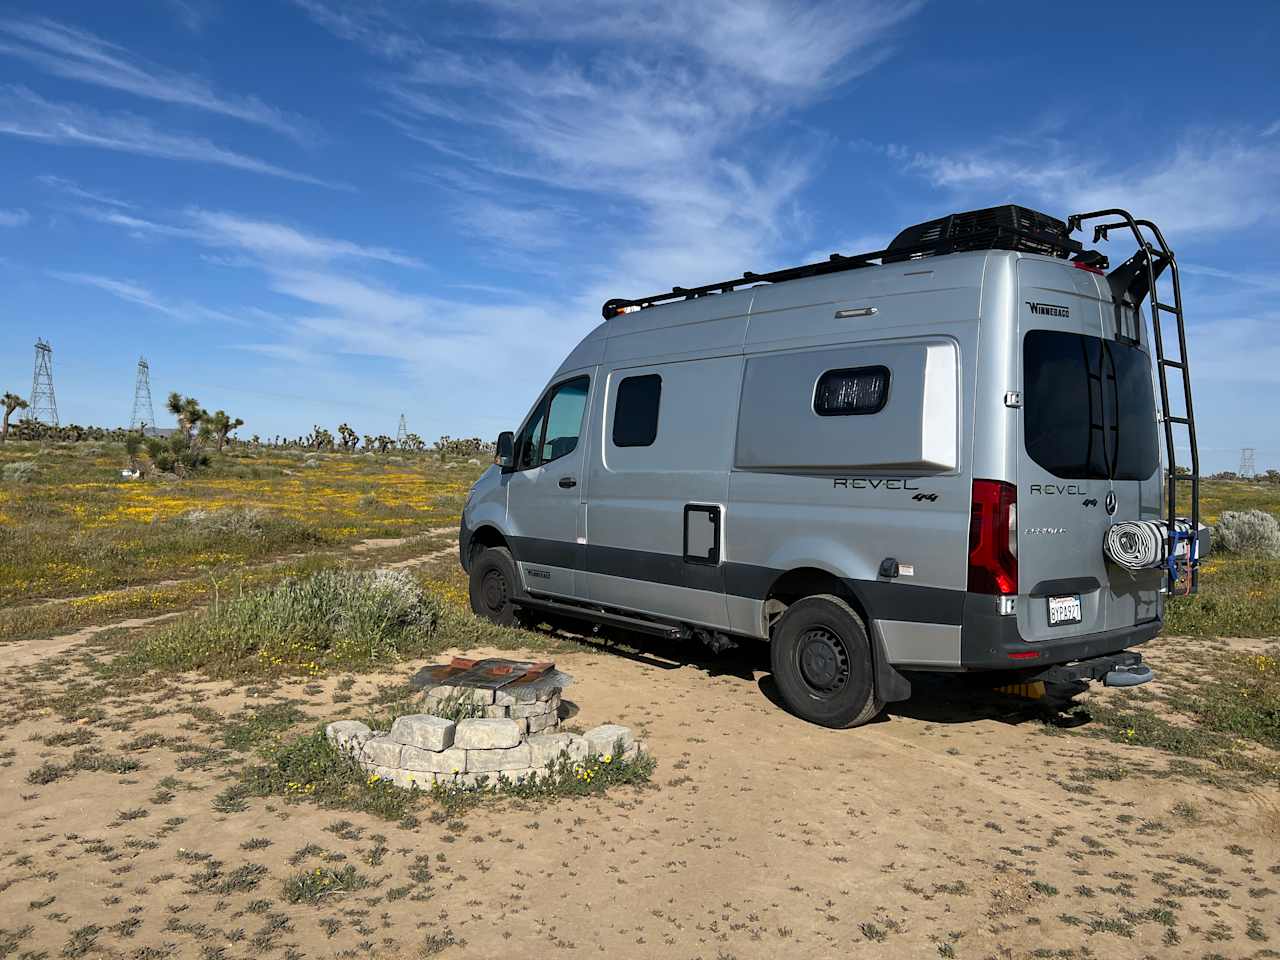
[{"x": 1088, "y": 457}]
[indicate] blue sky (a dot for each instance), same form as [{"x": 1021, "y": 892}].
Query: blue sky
[{"x": 313, "y": 212}]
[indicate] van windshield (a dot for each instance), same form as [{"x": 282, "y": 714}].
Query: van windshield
[{"x": 1089, "y": 409}]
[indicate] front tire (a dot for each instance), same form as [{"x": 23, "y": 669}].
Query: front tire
[
  {"x": 493, "y": 587},
  {"x": 821, "y": 659}
]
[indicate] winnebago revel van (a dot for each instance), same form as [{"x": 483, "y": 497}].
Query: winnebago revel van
[{"x": 955, "y": 454}]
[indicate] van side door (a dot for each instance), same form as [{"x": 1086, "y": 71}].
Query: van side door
[
  {"x": 546, "y": 489},
  {"x": 657, "y": 507}
]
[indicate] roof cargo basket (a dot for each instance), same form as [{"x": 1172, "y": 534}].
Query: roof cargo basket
[
  {"x": 1009, "y": 227},
  {"x": 997, "y": 228}
]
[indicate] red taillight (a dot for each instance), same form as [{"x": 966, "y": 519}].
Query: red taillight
[
  {"x": 993, "y": 538},
  {"x": 1081, "y": 265}
]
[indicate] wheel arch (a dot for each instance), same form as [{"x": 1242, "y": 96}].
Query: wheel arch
[
  {"x": 801, "y": 582},
  {"x": 483, "y": 537}
]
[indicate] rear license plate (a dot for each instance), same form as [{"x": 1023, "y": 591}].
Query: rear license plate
[{"x": 1063, "y": 610}]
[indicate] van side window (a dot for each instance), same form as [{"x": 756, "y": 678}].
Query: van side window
[
  {"x": 553, "y": 430},
  {"x": 851, "y": 392},
  {"x": 564, "y": 419},
  {"x": 635, "y": 414}
]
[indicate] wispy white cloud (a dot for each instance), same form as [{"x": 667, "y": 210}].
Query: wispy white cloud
[
  {"x": 73, "y": 189},
  {"x": 14, "y": 218},
  {"x": 657, "y": 128},
  {"x": 78, "y": 55},
  {"x": 132, "y": 292},
  {"x": 371, "y": 24},
  {"x": 266, "y": 241},
  {"x": 280, "y": 241},
  {"x": 1215, "y": 180},
  {"x": 799, "y": 44},
  {"x": 26, "y": 114},
  {"x": 192, "y": 14}
]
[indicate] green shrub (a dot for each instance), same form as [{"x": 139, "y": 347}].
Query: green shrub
[
  {"x": 1247, "y": 531},
  {"x": 310, "y": 768},
  {"x": 333, "y": 618},
  {"x": 250, "y": 523},
  {"x": 20, "y": 471}
]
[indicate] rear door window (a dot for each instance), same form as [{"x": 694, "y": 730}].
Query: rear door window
[{"x": 1089, "y": 410}]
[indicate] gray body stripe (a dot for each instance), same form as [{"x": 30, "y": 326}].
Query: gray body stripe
[{"x": 882, "y": 599}]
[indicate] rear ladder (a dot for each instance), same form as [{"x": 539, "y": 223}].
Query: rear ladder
[{"x": 1133, "y": 281}]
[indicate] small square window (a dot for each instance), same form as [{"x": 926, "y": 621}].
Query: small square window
[
  {"x": 851, "y": 392},
  {"x": 635, "y": 414}
]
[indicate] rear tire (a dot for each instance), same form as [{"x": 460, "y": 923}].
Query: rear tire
[
  {"x": 493, "y": 587},
  {"x": 821, "y": 659}
]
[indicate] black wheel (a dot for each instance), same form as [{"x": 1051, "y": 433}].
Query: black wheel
[
  {"x": 493, "y": 587},
  {"x": 822, "y": 663}
]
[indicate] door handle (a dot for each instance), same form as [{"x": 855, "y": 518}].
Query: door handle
[{"x": 568, "y": 482}]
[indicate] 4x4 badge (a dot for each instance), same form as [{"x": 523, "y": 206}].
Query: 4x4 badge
[
  {"x": 1110, "y": 503},
  {"x": 1091, "y": 502}
]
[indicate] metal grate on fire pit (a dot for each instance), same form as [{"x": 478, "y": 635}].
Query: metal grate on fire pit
[{"x": 524, "y": 680}]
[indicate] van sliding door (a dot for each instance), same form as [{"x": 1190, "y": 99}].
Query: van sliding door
[{"x": 656, "y": 510}]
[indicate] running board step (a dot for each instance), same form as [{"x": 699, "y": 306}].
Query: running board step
[{"x": 668, "y": 630}]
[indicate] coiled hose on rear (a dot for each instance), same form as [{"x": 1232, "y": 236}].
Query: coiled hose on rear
[{"x": 1142, "y": 544}]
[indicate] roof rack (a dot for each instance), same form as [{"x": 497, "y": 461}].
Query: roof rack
[{"x": 1008, "y": 227}]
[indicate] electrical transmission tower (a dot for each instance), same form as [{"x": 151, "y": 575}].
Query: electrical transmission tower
[
  {"x": 144, "y": 414},
  {"x": 1247, "y": 468},
  {"x": 401, "y": 432},
  {"x": 44, "y": 407}
]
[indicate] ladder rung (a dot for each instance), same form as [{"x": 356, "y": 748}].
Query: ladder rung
[
  {"x": 1165, "y": 307},
  {"x": 1173, "y": 363},
  {"x": 1182, "y": 420}
]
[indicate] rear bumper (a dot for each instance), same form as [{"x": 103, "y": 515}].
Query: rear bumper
[{"x": 989, "y": 641}]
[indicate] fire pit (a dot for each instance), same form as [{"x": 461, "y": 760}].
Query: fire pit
[{"x": 510, "y": 710}]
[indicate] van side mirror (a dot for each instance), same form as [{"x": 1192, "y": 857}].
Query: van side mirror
[{"x": 505, "y": 454}]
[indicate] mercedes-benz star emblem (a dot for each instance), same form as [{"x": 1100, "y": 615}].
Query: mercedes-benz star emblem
[{"x": 1110, "y": 503}]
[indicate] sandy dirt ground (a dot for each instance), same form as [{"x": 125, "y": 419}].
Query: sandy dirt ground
[{"x": 958, "y": 825}]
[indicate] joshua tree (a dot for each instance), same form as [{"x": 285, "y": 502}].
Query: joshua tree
[
  {"x": 221, "y": 425},
  {"x": 11, "y": 402},
  {"x": 188, "y": 411},
  {"x": 133, "y": 447},
  {"x": 350, "y": 439}
]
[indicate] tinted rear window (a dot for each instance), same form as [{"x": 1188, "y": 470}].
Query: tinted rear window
[{"x": 1089, "y": 410}]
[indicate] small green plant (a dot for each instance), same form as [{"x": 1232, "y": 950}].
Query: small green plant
[
  {"x": 309, "y": 768},
  {"x": 257, "y": 725},
  {"x": 312, "y": 886},
  {"x": 84, "y": 760},
  {"x": 459, "y": 705}
]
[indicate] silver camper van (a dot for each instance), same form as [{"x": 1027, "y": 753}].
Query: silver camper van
[{"x": 899, "y": 461}]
